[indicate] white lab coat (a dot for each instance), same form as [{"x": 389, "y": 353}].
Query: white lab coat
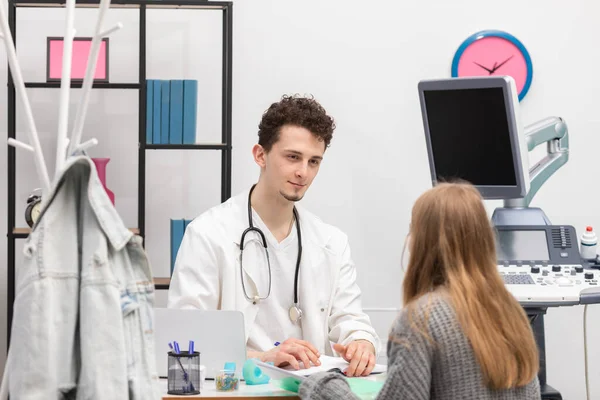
[{"x": 207, "y": 275}]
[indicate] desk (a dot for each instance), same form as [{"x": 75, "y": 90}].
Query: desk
[{"x": 253, "y": 392}]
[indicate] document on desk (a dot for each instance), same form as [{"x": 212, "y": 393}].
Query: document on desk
[{"x": 327, "y": 363}]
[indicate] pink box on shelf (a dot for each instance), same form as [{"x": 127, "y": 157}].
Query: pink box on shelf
[{"x": 81, "y": 51}]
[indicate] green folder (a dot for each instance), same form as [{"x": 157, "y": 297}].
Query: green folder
[
  {"x": 365, "y": 389},
  {"x": 361, "y": 387}
]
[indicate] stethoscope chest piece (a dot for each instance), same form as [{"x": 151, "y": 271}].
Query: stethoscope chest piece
[{"x": 295, "y": 313}]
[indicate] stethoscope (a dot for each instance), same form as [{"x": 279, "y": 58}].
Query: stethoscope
[{"x": 295, "y": 312}]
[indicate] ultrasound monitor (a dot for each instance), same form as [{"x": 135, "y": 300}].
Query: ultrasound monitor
[{"x": 473, "y": 133}]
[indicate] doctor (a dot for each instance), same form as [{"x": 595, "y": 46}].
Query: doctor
[{"x": 287, "y": 271}]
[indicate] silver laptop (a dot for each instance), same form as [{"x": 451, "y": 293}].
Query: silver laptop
[{"x": 218, "y": 336}]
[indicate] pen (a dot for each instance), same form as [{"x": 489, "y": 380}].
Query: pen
[
  {"x": 276, "y": 344},
  {"x": 191, "y": 347},
  {"x": 175, "y": 348}
]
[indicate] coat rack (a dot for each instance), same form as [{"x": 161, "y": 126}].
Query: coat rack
[{"x": 64, "y": 146}]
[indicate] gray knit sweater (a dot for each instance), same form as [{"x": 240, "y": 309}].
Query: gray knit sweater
[{"x": 447, "y": 369}]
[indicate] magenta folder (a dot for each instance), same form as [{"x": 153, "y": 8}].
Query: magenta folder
[{"x": 81, "y": 51}]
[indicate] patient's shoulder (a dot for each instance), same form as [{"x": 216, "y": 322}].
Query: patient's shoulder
[{"x": 432, "y": 313}]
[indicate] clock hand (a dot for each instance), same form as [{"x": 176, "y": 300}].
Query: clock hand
[
  {"x": 488, "y": 70},
  {"x": 502, "y": 63}
]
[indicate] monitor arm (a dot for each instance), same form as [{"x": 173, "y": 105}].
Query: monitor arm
[{"x": 551, "y": 130}]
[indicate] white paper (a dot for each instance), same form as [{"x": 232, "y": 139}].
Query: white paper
[{"x": 327, "y": 363}]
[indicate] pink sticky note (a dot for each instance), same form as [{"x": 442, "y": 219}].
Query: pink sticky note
[{"x": 81, "y": 51}]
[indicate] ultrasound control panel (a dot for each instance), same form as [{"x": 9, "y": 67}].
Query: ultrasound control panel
[{"x": 541, "y": 266}]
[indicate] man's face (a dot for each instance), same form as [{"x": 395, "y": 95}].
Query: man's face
[{"x": 293, "y": 162}]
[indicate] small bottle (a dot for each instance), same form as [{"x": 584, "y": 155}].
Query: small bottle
[{"x": 588, "y": 244}]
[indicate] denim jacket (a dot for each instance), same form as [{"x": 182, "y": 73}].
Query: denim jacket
[{"x": 83, "y": 311}]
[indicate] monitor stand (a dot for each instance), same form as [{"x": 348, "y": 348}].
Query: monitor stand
[
  {"x": 511, "y": 215},
  {"x": 553, "y": 132},
  {"x": 536, "y": 319},
  {"x": 504, "y": 216}
]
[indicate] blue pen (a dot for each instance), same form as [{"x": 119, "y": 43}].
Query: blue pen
[
  {"x": 175, "y": 348},
  {"x": 191, "y": 348},
  {"x": 276, "y": 344}
]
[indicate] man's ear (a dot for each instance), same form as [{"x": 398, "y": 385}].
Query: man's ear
[{"x": 260, "y": 155}]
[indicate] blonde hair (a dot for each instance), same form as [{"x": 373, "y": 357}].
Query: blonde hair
[{"x": 452, "y": 247}]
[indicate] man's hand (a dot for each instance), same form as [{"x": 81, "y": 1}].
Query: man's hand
[
  {"x": 361, "y": 356},
  {"x": 291, "y": 352}
]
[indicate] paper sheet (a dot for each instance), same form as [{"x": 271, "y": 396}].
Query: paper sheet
[{"x": 327, "y": 363}]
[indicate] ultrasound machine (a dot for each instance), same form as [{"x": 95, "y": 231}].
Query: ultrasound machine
[{"x": 473, "y": 132}]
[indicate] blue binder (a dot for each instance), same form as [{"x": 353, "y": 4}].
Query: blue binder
[
  {"x": 156, "y": 101},
  {"x": 164, "y": 117},
  {"x": 176, "y": 238},
  {"x": 149, "y": 106},
  {"x": 190, "y": 99},
  {"x": 176, "y": 113}
]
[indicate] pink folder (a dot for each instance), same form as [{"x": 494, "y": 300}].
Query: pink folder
[{"x": 81, "y": 51}]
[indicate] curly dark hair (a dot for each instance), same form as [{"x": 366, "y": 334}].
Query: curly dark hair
[{"x": 305, "y": 112}]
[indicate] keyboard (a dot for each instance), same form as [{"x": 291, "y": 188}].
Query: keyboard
[{"x": 551, "y": 284}]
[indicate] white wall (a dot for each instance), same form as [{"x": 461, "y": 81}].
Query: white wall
[{"x": 362, "y": 60}]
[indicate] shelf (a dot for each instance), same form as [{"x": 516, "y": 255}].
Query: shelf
[
  {"x": 23, "y": 233},
  {"x": 205, "y": 146},
  {"x": 78, "y": 85},
  {"x": 162, "y": 283},
  {"x": 190, "y": 4}
]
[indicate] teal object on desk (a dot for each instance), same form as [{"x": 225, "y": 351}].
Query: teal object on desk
[
  {"x": 253, "y": 375},
  {"x": 290, "y": 384},
  {"x": 229, "y": 366},
  {"x": 364, "y": 388}
]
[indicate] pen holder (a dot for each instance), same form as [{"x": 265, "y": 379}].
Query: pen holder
[{"x": 184, "y": 373}]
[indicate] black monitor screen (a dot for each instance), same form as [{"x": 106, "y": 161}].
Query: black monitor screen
[{"x": 469, "y": 136}]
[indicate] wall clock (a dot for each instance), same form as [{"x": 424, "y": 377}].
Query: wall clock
[{"x": 493, "y": 52}]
